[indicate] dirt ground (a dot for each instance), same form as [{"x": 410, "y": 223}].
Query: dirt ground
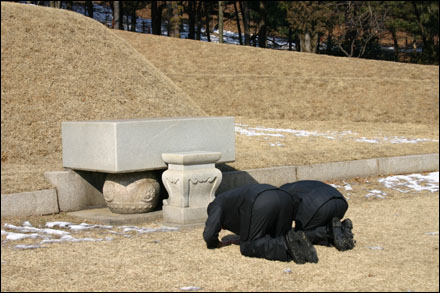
[{"x": 396, "y": 250}]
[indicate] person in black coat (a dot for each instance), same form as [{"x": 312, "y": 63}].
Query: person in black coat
[
  {"x": 262, "y": 215},
  {"x": 319, "y": 213}
]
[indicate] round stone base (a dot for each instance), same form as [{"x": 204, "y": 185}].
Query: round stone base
[{"x": 131, "y": 193}]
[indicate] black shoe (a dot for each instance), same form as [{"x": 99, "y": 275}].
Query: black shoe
[
  {"x": 347, "y": 227},
  {"x": 341, "y": 234},
  {"x": 300, "y": 247}
]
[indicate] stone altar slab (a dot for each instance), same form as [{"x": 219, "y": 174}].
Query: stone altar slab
[{"x": 133, "y": 145}]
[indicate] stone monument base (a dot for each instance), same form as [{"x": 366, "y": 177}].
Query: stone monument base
[{"x": 184, "y": 216}]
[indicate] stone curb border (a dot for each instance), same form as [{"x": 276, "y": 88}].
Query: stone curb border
[
  {"x": 47, "y": 201},
  {"x": 278, "y": 176}
]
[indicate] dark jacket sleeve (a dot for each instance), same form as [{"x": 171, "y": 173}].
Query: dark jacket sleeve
[{"x": 213, "y": 225}]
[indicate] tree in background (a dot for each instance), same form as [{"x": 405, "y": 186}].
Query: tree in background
[
  {"x": 174, "y": 9},
  {"x": 207, "y": 9},
  {"x": 220, "y": 21},
  {"x": 89, "y": 8},
  {"x": 156, "y": 17},
  {"x": 131, "y": 8},
  {"x": 55, "y": 4},
  {"x": 246, "y": 20},
  {"x": 309, "y": 19},
  {"x": 237, "y": 18},
  {"x": 116, "y": 24},
  {"x": 426, "y": 13},
  {"x": 349, "y": 28},
  {"x": 361, "y": 23},
  {"x": 399, "y": 20}
]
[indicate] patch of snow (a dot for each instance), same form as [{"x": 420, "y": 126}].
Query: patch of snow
[
  {"x": 26, "y": 224},
  {"x": 412, "y": 182},
  {"x": 376, "y": 247},
  {"x": 69, "y": 238},
  {"x": 364, "y": 139},
  {"x": 190, "y": 288},
  {"x": 19, "y": 236},
  {"x": 431, "y": 233},
  {"x": 347, "y": 186},
  {"x": 332, "y": 135},
  {"x": 30, "y": 246},
  {"x": 376, "y": 194},
  {"x": 28, "y": 229},
  {"x": 247, "y": 132},
  {"x": 59, "y": 224},
  {"x": 276, "y": 144},
  {"x": 147, "y": 230}
]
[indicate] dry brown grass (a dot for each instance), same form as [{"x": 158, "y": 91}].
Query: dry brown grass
[
  {"x": 58, "y": 66},
  {"x": 263, "y": 83},
  {"x": 167, "y": 261},
  {"x": 258, "y": 152}
]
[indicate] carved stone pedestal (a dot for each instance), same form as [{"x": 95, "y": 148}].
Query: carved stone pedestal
[
  {"x": 131, "y": 193},
  {"x": 191, "y": 181}
]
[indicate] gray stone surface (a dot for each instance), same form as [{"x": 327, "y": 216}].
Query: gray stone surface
[
  {"x": 106, "y": 217},
  {"x": 41, "y": 202},
  {"x": 77, "y": 190},
  {"x": 338, "y": 170},
  {"x": 191, "y": 158},
  {"x": 184, "y": 215},
  {"x": 191, "y": 181},
  {"x": 131, "y": 193},
  {"x": 118, "y": 146},
  {"x": 75, "y": 195},
  {"x": 408, "y": 164}
]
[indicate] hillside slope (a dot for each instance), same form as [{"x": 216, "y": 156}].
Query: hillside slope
[
  {"x": 59, "y": 66},
  {"x": 271, "y": 84},
  {"x": 291, "y": 108}
]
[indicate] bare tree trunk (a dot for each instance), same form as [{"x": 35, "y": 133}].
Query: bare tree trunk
[
  {"x": 290, "y": 39},
  {"x": 156, "y": 17},
  {"x": 329, "y": 41},
  {"x": 238, "y": 22},
  {"x": 318, "y": 40},
  {"x": 173, "y": 19},
  {"x": 419, "y": 22},
  {"x": 262, "y": 26},
  {"x": 246, "y": 18},
  {"x": 89, "y": 5},
  {"x": 308, "y": 42},
  {"x": 207, "y": 20},
  {"x": 396, "y": 45},
  {"x": 55, "y": 4},
  {"x": 191, "y": 15},
  {"x": 199, "y": 20},
  {"x": 305, "y": 42},
  {"x": 220, "y": 21},
  {"x": 134, "y": 16},
  {"x": 69, "y": 5},
  {"x": 116, "y": 15}
]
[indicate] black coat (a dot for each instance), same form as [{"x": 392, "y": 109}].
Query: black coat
[
  {"x": 232, "y": 210},
  {"x": 313, "y": 195}
]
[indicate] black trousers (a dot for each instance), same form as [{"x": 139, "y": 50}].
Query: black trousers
[
  {"x": 317, "y": 229},
  {"x": 268, "y": 227}
]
